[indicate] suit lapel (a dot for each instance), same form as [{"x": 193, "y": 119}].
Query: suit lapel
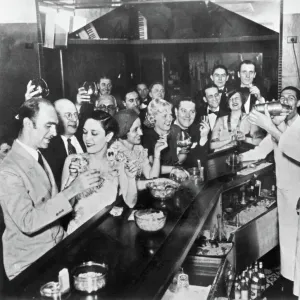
[{"x": 33, "y": 169}]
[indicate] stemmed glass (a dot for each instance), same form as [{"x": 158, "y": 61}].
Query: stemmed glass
[
  {"x": 183, "y": 141},
  {"x": 40, "y": 86}
]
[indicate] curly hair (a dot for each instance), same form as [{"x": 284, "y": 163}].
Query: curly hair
[{"x": 155, "y": 106}]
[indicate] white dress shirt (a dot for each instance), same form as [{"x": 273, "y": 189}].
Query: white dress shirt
[
  {"x": 74, "y": 142},
  {"x": 212, "y": 117},
  {"x": 31, "y": 151}
]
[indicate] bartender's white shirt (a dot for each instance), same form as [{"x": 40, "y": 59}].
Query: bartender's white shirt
[{"x": 287, "y": 171}]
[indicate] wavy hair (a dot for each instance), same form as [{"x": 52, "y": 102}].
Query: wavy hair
[{"x": 154, "y": 107}]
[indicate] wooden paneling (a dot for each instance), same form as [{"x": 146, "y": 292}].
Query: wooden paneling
[{"x": 19, "y": 63}]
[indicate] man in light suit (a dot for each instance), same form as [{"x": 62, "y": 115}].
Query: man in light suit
[{"x": 29, "y": 197}]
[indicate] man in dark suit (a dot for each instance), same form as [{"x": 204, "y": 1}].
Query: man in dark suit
[
  {"x": 67, "y": 141},
  {"x": 219, "y": 77},
  {"x": 29, "y": 196},
  {"x": 185, "y": 112},
  {"x": 252, "y": 91}
]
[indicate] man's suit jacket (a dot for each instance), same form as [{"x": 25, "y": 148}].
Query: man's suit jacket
[
  {"x": 31, "y": 208},
  {"x": 246, "y": 92},
  {"x": 56, "y": 155}
]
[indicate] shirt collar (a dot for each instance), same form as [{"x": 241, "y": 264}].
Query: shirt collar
[
  {"x": 176, "y": 123},
  {"x": 31, "y": 151},
  {"x": 65, "y": 139},
  {"x": 246, "y": 86}
]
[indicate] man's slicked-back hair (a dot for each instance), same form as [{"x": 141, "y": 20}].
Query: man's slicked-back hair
[
  {"x": 297, "y": 91},
  {"x": 30, "y": 110},
  {"x": 247, "y": 62},
  {"x": 219, "y": 66},
  {"x": 184, "y": 98},
  {"x": 104, "y": 76},
  {"x": 208, "y": 86},
  {"x": 154, "y": 83}
]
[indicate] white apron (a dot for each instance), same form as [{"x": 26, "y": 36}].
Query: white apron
[{"x": 288, "y": 227}]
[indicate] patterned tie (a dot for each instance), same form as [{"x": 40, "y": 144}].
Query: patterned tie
[{"x": 71, "y": 148}]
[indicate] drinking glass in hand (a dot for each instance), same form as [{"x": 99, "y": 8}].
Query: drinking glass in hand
[
  {"x": 203, "y": 119},
  {"x": 184, "y": 141},
  {"x": 91, "y": 89},
  {"x": 40, "y": 86},
  {"x": 240, "y": 136}
]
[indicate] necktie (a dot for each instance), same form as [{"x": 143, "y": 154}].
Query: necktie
[
  {"x": 40, "y": 160},
  {"x": 71, "y": 148},
  {"x": 212, "y": 112}
]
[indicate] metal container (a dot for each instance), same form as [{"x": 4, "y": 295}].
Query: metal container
[
  {"x": 150, "y": 220},
  {"x": 274, "y": 108},
  {"x": 90, "y": 277}
]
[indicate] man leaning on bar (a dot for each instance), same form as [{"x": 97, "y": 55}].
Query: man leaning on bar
[{"x": 29, "y": 196}]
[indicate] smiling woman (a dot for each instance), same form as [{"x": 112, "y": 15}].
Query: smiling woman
[
  {"x": 99, "y": 131},
  {"x": 235, "y": 126}
]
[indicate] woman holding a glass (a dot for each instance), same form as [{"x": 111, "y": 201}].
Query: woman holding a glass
[{"x": 235, "y": 126}]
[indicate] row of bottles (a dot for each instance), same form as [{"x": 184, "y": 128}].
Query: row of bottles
[{"x": 251, "y": 283}]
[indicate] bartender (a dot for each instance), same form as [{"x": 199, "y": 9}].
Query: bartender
[
  {"x": 289, "y": 144},
  {"x": 287, "y": 173}
]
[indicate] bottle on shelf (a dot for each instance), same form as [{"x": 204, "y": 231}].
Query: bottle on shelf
[
  {"x": 244, "y": 290},
  {"x": 221, "y": 230},
  {"x": 255, "y": 285},
  {"x": 237, "y": 291},
  {"x": 262, "y": 276},
  {"x": 243, "y": 200},
  {"x": 257, "y": 188},
  {"x": 273, "y": 191},
  {"x": 252, "y": 194}
]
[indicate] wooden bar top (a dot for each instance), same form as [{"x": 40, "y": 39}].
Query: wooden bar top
[{"x": 141, "y": 265}]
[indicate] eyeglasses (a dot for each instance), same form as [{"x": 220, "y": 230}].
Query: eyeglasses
[
  {"x": 71, "y": 116},
  {"x": 106, "y": 107}
]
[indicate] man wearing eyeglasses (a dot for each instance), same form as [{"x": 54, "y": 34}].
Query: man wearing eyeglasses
[
  {"x": 66, "y": 142},
  {"x": 287, "y": 173},
  {"x": 107, "y": 103}
]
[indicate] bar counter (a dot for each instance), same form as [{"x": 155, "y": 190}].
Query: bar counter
[{"x": 141, "y": 265}]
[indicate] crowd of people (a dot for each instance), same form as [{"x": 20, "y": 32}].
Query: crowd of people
[{"x": 69, "y": 160}]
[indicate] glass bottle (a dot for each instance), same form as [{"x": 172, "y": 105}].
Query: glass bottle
[
  {"x": 244, "y": 290},
  {"x": 221, "y": 231},
  {"x": 255, "y": 285},
  {"x": 262, "y": 276},
  {"x": 243, "y": 200}
]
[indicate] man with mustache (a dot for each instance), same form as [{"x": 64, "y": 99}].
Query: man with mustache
[
  {"x": 29, "y": 198},
  {"x": 66, "y": 142}
]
